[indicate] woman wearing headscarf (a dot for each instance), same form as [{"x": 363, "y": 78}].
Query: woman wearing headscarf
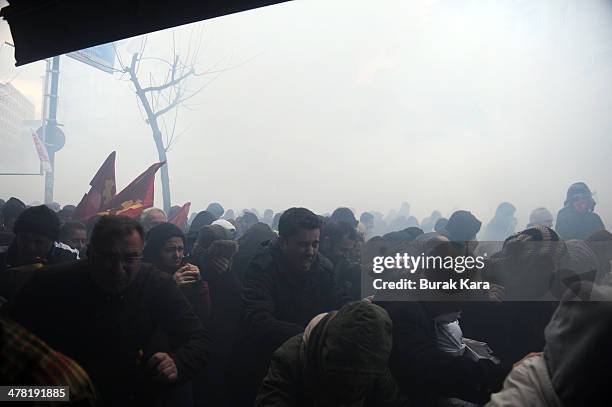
[
  {"x": 165, "y": 248},
  {"x": 341, "y": 359},
  {"x": 574, "y": 368},
  {"x": 577, "y": 219}
]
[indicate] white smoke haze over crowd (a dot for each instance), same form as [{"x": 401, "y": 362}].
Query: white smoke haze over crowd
[{"x": 445, "y": 104}]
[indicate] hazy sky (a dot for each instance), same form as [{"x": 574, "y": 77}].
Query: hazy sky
[{"x": 445, "y": 104}]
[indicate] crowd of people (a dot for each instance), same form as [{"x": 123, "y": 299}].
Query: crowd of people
[{"x": 237, "y": 309}]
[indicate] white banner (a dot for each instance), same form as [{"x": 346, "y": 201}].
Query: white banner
[{"x": 43, "y": 154}]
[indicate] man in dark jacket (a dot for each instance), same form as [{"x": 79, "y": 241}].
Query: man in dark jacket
[
  {"x": 37, "y": 230},
  {"x": 576, "y": 220},
  {"x": 103, "y": 311},
  {"x": 340, "y": 360},
  {"x": 423, "y": 371},
  {"x": 285, "y": 286}
]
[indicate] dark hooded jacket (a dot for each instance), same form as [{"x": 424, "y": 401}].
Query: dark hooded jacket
[
  {"x": 344, "y": 357},
  {"x": 575, "y": 225},
  {"x": 275, "y": 307}
]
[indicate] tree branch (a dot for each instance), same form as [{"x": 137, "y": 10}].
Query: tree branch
[{"x": 177, "y": 99}]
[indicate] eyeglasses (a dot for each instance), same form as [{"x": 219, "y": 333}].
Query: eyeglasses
[{"x": 113, "y": 258}]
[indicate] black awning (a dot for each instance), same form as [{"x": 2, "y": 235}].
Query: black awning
[{"x": 45, "y": 28}]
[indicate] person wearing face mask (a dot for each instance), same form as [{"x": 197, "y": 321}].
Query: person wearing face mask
[
  {"x": 577, "y": 219},
  {"x": 340, "y": 360}
]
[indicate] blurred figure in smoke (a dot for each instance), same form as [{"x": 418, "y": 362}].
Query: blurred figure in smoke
[
  {"x": 151, "y": 217},
  {"x": 10, "y": 211},
  {"x": 440, "y": 226},
  {"x": 229, "y": 214},
  {"x": 576, "y": 220},
  {"x": 427, "y": 225},
  {"x": 216, "y": 209},
  {"x": 65, "y": 214},
  {"x": 346, "y": 215},
  {"x": 247, "y": 220},
  {"x": 498, "y": 229},
  {"x": 267, "y": 216},
  {"x": 502, "y": 225},
  {"x": 340, "y": 360},
  {"x": 366, "y": 225},
  {"x": 404, "y": 210},
  {"x": 74, "y": 234},
  {"x": 249, "y": 244},
  {"x": 540, "y": 216}
]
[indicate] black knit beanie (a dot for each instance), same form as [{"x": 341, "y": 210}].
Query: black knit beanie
[{"x": 38, "y": 220}]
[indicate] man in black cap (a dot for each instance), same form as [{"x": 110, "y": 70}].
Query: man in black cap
[
  {"x": 462, "y": 226},
  {"x": 37, "y": 230}
]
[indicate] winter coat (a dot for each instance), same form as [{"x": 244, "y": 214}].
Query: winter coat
[
  {"x": 425, "y": 373},
  {"x": 574, "y": 225},
  {"x": 105, "y": 333},
  {"x": 352, "y": 346},
  {"x": 276, "y": 305}
]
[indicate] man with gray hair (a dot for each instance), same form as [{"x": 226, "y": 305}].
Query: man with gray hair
[{"x": 152, "y": 217}]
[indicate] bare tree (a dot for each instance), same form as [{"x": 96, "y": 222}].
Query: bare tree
[{"x": 167, "y": 96}]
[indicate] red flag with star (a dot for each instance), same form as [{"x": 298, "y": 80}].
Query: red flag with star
[
  {"x": 103, "y": 189},
  {"x": 136, "y": 197}
]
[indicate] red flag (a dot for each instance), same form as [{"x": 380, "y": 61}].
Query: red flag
[
  {"x": 136, "y": 197},
  {"x": 102, "y": 190},
  {"x": 180, "y": 218}
]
